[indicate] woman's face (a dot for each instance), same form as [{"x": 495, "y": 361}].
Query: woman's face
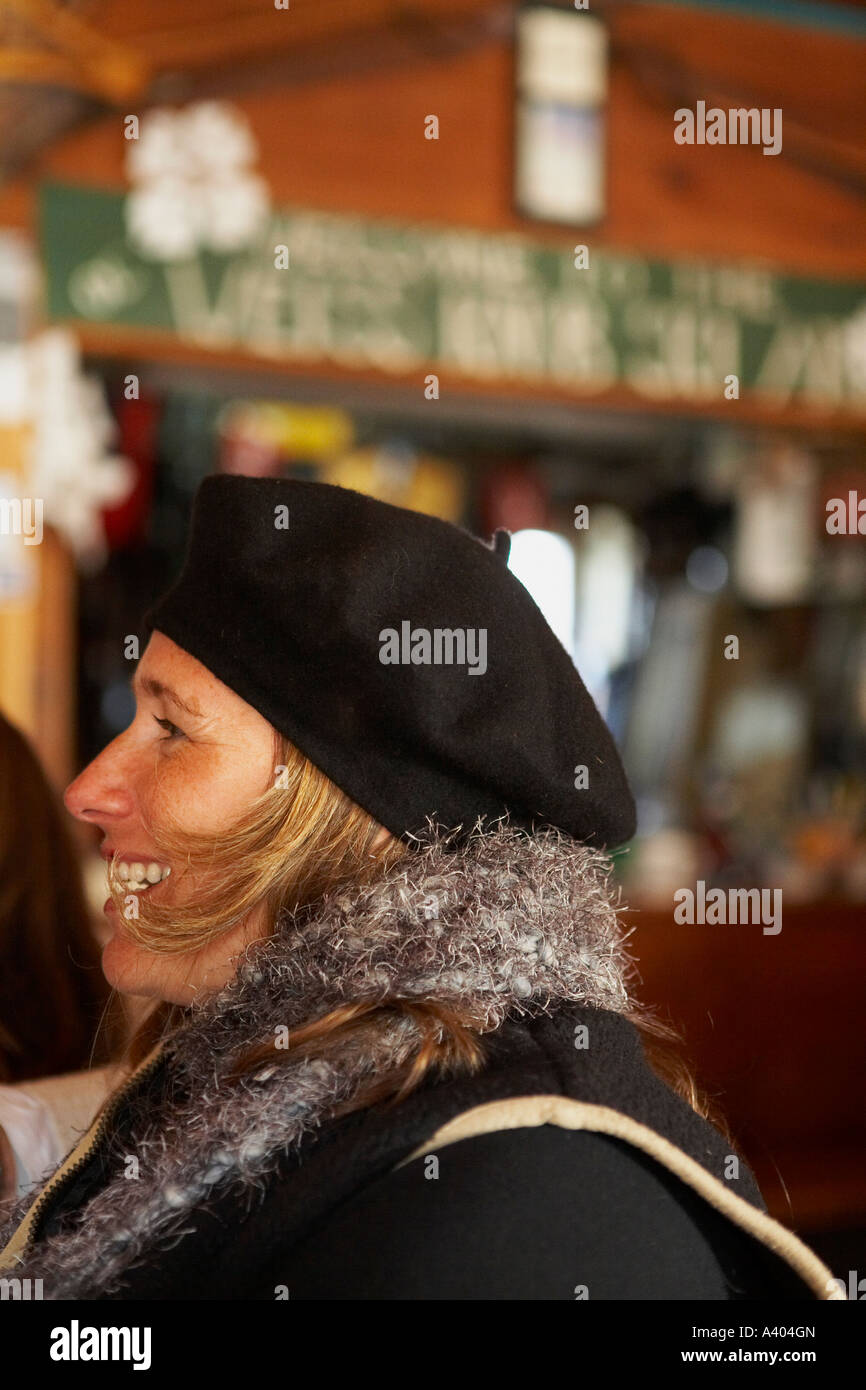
[{"x": 194, "y": 751}]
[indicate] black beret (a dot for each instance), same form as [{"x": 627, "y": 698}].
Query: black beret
[{"x": 399, "y": 654}]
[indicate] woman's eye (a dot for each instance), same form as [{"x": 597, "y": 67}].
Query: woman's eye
[{"x": 172, "y": 731}]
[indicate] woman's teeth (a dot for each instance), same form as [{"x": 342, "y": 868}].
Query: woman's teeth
[{"x": 138, "y": 876}]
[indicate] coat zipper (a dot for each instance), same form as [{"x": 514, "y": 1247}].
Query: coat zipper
[{"x": 35, "y": 1213}]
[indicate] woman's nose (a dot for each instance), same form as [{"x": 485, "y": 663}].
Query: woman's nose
[{"x": 101, "y": 791}]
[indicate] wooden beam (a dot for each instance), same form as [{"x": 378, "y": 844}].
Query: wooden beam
[
  {"x": 194, "y": 42},
  {"x": 115, "y": 70},
  {"x": 107, "y": 343},
  {"x": 19, "y": 614},
  {"x": 39, "y": 68},
  {"x": 57, "y": 650}
]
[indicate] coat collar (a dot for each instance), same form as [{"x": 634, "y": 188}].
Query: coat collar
[{"x": 505, "y": 926}]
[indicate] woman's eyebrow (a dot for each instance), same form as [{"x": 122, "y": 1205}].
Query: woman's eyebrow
[{"x": 160, "y": 691}]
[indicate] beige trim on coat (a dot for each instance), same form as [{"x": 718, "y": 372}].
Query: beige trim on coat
[{"x": 522, "y": 1112}]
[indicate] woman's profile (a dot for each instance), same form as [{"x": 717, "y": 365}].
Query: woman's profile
[{"x": 395, "y": 1050}]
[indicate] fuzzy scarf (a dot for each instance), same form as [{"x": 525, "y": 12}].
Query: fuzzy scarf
[{"x": 505, "y": 925}]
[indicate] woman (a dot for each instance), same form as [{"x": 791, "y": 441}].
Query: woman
[
  {"x": 56, "y": 1011},
  {"x": 49, "y": 958},
  {"x": 355, "y": 833}
]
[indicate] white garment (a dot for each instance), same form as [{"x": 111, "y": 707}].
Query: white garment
[{"x": 33, "y": 1135}]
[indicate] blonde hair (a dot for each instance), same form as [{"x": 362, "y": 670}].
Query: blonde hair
[{"x": 302, "y": 838}]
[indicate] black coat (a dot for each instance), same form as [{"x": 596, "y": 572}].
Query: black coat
[{"x": 565, "y": 1174}]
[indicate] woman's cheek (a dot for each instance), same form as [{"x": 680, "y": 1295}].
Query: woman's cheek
[
  {"x": 177, "y": 787},
  {"x": 198, "y": 789}
]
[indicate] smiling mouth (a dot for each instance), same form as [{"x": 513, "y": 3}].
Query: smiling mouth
[{"x": 137, "y": 877}]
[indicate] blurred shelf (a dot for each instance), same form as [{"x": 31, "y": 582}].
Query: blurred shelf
[
  {"x": 229, "y": 367},
  {"x": 773, "y": 1029}
]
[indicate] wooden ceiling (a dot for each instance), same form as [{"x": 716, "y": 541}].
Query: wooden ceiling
[
  {"x": 113, "y": 51},
  {"x": 64, "y": 62}
]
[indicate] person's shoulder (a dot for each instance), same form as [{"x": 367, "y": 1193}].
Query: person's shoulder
[{"x": 538, "y": 1212}]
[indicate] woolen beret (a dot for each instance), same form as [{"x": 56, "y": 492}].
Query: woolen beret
[{"x": 399, "y": 654}]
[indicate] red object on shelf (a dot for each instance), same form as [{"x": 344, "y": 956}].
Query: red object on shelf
[
  {"x": 513, "y": 496},
  {"x": 138, "y": 422}
]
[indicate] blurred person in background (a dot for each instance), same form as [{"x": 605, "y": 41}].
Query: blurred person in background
[
  {"x": 394, "y": 1050},
  {"x": 56, "y": 1011}
]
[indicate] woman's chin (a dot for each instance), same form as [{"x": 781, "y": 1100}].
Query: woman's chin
[{"x": 127, "y": 967}]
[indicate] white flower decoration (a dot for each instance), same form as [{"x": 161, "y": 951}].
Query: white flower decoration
[
  {"x": 71, "y": 467},
  {"x": 193, "y": 185}
]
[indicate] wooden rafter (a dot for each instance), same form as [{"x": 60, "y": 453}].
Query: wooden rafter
[{"x": 77, "y": 55}]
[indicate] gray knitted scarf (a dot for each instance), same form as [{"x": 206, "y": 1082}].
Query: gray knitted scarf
[{"x": 503, "y": 925}]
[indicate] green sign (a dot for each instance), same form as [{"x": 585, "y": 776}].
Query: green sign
[{"x": 498, "y": 307}]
